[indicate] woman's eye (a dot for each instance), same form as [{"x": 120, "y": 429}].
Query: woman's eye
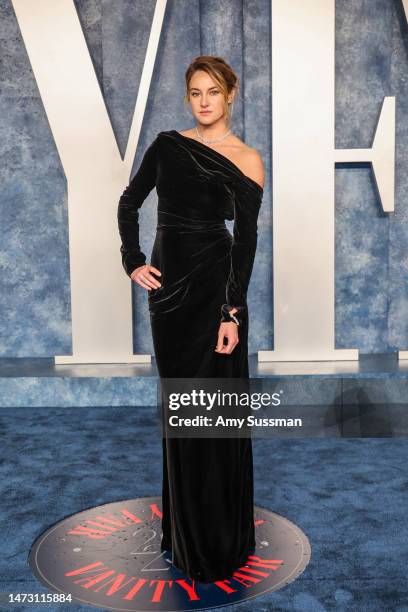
[{"x": 194, "y": 94}]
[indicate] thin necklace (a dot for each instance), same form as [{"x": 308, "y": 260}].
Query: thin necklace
[{"x": 214, "y": 140}]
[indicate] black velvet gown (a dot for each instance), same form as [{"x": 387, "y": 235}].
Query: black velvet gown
[{"x": 207, "y": 491}]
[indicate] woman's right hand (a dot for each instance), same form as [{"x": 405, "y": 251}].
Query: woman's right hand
[{"x": 143, "y": 277}]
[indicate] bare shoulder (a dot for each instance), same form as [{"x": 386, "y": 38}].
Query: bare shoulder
[
  {"x": 252, "y": 164},
  {"x": 246, "y": 158}
]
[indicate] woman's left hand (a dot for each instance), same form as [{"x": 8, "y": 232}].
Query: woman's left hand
[{"x": 229, "y": 331}]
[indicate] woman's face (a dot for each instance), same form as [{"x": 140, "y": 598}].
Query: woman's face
[{"x": 206, "y": 98}]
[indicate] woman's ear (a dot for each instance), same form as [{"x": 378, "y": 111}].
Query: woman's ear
[{"x": 231, "y": 96}]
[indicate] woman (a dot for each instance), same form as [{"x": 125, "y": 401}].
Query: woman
[{"x": 197, "y": 282}]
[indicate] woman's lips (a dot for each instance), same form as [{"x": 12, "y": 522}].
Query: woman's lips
[{"x": 205, "y": 112}]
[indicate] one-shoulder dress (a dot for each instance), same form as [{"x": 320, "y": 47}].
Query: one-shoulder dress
[{"x": 207, "y": 487}]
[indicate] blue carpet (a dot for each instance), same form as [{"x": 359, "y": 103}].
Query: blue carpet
[{"x": 349, "y": 496}]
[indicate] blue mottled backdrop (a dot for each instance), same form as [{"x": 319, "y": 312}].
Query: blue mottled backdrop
[{"x": 371, "y": 259}]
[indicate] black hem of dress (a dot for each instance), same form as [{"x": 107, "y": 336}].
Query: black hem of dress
[{"x": 225, "y": 575}]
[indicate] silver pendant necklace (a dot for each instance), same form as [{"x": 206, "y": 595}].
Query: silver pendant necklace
[{"x": 214, "y": 141}]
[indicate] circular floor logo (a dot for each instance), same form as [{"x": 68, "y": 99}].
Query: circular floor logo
[{"x": 109, "y": 557}]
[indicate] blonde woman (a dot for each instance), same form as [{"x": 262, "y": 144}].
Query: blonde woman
[{"x": 197, "y": 282}]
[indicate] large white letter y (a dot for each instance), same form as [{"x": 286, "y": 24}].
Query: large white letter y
[{"x": 96, "y": 175}]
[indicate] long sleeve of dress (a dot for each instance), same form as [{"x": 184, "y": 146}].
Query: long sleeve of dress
[
  {"x": 128, "y": 210},
  {"x": 245, "y": 236}
]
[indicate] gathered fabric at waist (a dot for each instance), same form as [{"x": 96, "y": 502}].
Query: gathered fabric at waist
[
  {"x": 191, "y": 255},
  {"x": 175, "y": 222}
]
